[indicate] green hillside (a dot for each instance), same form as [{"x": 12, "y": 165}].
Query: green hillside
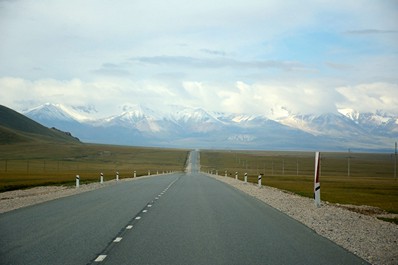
[{"x": 16, "y": 128}]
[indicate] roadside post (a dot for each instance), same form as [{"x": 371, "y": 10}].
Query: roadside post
[
  {"x": 226, "y": 173},
  {"x": 317, "y": 185},
  {"x": 259, "y": 180},
  {"x": 149, "y": 172},
  {"x": 216, "y": 172},
  {"x": 236, "y": 175},
  {"x": 135, "y": 173},
  {"x": 102, "y": 178},
  {"x": 117, "y": 175},
  {"x": 245, "y": 177},
  {"x": 77, "y": 181}
]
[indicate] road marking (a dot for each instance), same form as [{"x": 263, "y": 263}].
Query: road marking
[
  {"x": 118, "y": 239},
  {"x": 144, "y": 211},
  {"x": 156, "y": 198},
  {"x": 138, "y": 218},
  {"x": 129, "y": 227},
  {"x": 100, "y": 258},
  {"x": 149, "y": 205}
]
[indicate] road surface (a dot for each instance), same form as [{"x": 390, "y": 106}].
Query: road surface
[{"x": 182, "y": 218}]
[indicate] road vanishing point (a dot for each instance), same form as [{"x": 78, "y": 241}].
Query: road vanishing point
[{"x": 180, "y": 218}]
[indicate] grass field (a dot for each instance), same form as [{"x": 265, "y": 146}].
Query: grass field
[
  {"x": 31, "y": 164},
  {"x": 355, "y": 178}
]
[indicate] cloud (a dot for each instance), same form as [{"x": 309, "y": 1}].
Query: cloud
[
  {"x": 112, "y": 70},
  {"x": 214, "y": 52},
  {"x": 370, "y": 32},
  {"x": 274, "y": 100},
  {"x": 186, "y": 61},
  {"x": 370, "y": 97}
]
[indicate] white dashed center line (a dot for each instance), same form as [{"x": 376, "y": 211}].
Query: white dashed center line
[
  {"x": 138, "y": 218},
  {"x": 100, "y": 258},
  {"x": 118, "y": 239},
  {"x": 144, "y": 211},
  {"x": 129, "y": 227}
]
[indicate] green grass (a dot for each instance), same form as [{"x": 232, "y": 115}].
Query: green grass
[
  {"x": 390, "y": 220},
  {"x": 32, "y": 164},
  {"x": 371, "y": 181}
]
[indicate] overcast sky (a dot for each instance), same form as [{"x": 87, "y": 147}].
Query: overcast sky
[{"x": 234, "y": 56}]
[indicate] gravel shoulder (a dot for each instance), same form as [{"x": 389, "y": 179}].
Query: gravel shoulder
[{"x": 366, "y": 236}]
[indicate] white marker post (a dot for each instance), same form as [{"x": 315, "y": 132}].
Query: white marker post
[
  {"x": 226, "y": 173},
  {"x": 236, "y": 175},
  {"x": 149, "y": 172},
  {"x": 135, "y": 173},
  {"x": 77, "y": 181},
  {"x": 317, "y": 185},
  {"x": 245, "y": 177},
  {"x": 217, "y": 172},
  {"x": 259, "y": 180},
  {"x": 117, "y": 175},
  {"x": 102, "y": 178}
]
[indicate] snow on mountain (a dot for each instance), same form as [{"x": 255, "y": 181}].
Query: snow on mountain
[
  {"x": 195, "y": 120},
  {"x": 179, "y": 125},
  {"x": 49, "y": 111},
  {"x": 325, "y": 124},
  {"x": 379, "y": 123}
]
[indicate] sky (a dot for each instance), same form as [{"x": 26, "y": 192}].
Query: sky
[{"x": 240, "y": 56}]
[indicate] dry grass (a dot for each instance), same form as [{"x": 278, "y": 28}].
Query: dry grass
[
  {"x": 26, "y": 165},
  {"x": 371, "y": 181}
]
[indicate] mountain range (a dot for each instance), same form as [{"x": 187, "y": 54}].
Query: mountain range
[{"x": 197, "y": 128}]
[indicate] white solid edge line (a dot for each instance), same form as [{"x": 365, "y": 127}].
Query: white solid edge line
[{"x": 100, "y": 258}]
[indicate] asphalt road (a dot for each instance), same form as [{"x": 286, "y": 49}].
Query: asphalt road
[{"x": 184, "y": 218}]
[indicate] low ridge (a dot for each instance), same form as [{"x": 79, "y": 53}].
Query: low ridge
[{"x": 15, "y": 127}]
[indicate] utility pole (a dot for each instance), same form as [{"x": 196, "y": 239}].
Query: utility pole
[
  {"x": 395, "y": 164},
  {"x": 348, "y": 161}
]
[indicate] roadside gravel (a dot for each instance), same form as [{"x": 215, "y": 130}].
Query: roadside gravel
[{"x": 366, "y": 236}]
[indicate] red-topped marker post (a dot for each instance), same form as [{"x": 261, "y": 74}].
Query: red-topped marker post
[{"x": 317, "y": 185}]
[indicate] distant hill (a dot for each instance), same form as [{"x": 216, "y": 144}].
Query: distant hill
[{"x": 15, "y": 128}]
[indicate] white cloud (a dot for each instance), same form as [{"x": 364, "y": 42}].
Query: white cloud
[
  {"x": 270, "y": 99},
  {"x": 370, "y": 97}
]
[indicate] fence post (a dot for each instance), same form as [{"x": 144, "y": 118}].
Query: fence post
[
  {"x": 102, "y": 178},
  {"x": 245, "y": 177},
  {"x": 77, "y": 181},
  {"x": 317, "y": 185}
]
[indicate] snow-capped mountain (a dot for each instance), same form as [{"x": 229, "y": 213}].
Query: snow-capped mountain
[
  {"x": 379, "y": 123},
  {"x": 195, "y": 127}
]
